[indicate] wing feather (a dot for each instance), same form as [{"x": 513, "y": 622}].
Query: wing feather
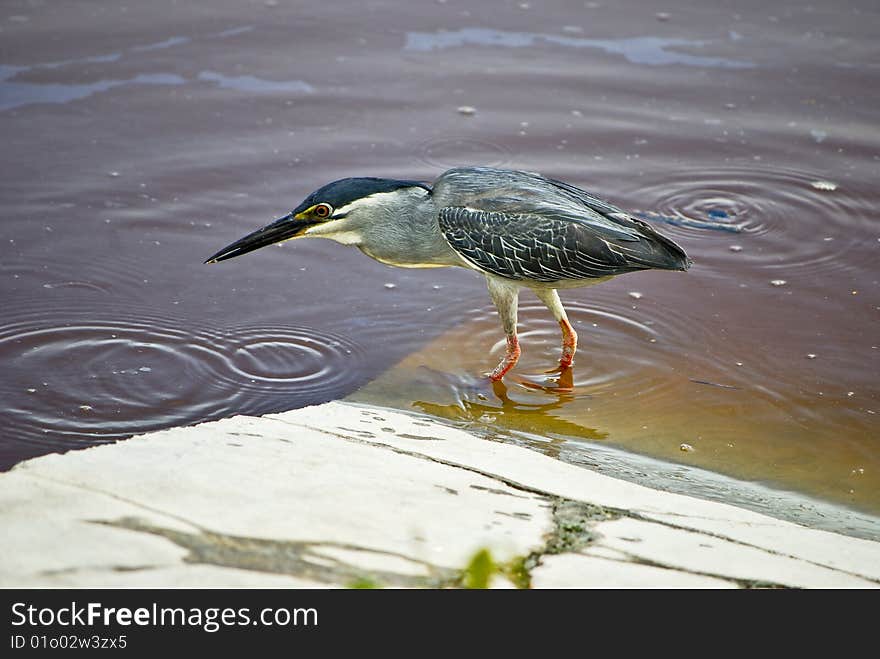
[{"x": 523, "y": 226}]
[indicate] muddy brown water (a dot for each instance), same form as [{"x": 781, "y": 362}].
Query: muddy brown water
[{"x": 138, "y": 139}]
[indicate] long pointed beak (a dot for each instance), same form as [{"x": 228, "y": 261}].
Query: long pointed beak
[{"x": 284, "y": 228}]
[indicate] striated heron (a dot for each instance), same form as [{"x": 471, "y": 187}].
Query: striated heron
[{"x": 516, "y": 228}]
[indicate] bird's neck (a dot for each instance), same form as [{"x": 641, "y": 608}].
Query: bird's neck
[{"x": 406, "y": 234}]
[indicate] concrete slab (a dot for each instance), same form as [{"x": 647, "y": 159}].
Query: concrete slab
[
  {"x": 524, "y": 468},
  {"x": 699, "y": 553},
  {"x": 341, "y": 494},
  {"x": 580, "y": 571}
]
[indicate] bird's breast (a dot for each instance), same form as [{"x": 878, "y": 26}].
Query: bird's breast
[{"x": 402, "y": 261}]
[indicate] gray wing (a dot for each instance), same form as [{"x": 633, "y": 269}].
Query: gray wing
[
  {"x": 522, "y": 246},
  {"x": 522, "y": 226}
]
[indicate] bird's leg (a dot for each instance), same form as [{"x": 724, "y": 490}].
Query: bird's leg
[
  {"x": 551, "y": 299},
  {"x": 511, "y": 357},
  {"x": 505, "y": 295},
  {"x": 569, "y": 343}
]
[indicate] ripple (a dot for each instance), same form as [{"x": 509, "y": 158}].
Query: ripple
[
  {"x": 446, "y": 152},
  {"x": 285, "y": 360},
  {"x": 785, "y": 221},
  {"x": 637, "y": 373},
  {"x": 112, "y": 274},
  {"x": 99, "y": 377},
  {"x": 635, "y": 341}
]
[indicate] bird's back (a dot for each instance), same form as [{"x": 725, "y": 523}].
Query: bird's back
[{"x": 522, "y": 226}]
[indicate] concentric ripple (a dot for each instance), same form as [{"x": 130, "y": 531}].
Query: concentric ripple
[
  {"x": 283, "y": 360},
  {"x": 786, "y": 219},
  {"x": 96, "y": 377},
  {"x": 451, "y": 151},
  {"x": 101, "y": 275},
  {"x": 638, "y": 341}
]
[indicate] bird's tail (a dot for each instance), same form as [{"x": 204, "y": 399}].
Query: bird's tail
[{"x": 667, "y": 254}]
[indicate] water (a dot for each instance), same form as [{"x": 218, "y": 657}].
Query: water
[{"x": 140, "y": 139}]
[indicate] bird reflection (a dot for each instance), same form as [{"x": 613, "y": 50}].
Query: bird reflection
[
  {"x": 490, "y": 404},
  {"x": 563, "y": 383}
]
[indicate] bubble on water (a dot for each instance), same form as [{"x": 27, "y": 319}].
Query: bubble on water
[{"x": 824, "y": 185}]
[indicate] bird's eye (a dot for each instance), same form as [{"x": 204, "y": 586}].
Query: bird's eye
[{"x": 323, "y": 210}]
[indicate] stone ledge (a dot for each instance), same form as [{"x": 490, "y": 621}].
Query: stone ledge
[{"x": 342, "y": 494}]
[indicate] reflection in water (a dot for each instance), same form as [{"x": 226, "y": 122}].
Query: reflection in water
[
  {"x": 16, "y": 94},
  {"x": 649, "y": 379},
  {"x": 233, "y": 31},
  {"x": 256, "y": 85},
  {"x": 94, "y": 59},
  {"x": 653, "y": 51},
  {"x": 159, "y": 45},
  {"x": 490, "y": 405}
]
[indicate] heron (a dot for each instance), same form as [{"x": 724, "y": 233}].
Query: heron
[{"x": 519, "y": 229}]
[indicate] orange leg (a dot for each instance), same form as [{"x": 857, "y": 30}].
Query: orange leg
[
  {"x": 505, "y": 295},
  {"x": 569, "y": 337},
  {"x": 509, "y": 361},
  {"x": 569, "y": 344}
]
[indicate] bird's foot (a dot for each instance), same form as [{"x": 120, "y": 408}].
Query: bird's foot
[
  {"x": 565, "y": 362},
  {"x": 511, "y": 357}
]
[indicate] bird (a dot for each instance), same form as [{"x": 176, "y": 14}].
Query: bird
[{"x": 517, "y": 228}]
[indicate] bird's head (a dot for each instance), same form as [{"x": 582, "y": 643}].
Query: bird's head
[{"x": 338, "y": 210}]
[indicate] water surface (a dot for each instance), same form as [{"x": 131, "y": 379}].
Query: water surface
[{"x": 139, "y": 139}]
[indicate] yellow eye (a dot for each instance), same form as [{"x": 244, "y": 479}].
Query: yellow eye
[{"x": 323, "y": 210}]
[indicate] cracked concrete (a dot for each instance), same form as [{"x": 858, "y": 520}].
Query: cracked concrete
[{"x": 343, "y": 494}]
